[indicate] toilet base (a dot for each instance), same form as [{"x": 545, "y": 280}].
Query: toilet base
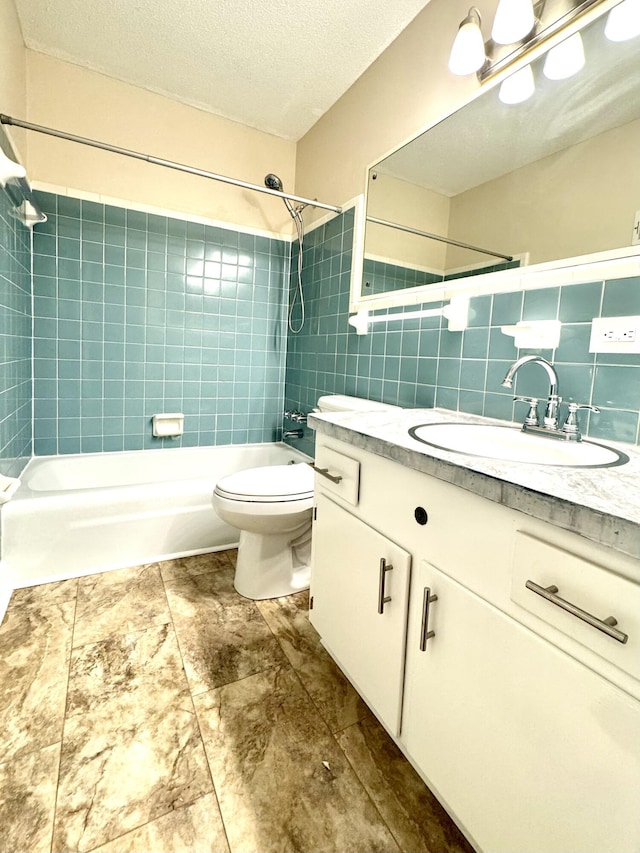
[{"x": 283, "y": 560}]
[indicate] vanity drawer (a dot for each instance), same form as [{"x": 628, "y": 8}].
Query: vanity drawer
[
  {"x": 593, "y": 590},
  {"x": 337, "y": 474}
]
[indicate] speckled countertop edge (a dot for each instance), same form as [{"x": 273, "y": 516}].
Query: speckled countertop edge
[{"x": 601, "y": 504}]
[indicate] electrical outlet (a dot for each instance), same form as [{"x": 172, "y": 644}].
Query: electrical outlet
[{"x": 615, "y": 334}]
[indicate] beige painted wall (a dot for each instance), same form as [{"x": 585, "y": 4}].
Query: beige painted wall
[
  {"x": 555, "y": 208},
  {"x": 406, "y": 204},
  {"x": 407, "y": 88},
  {"x": 82, "y": 102},
  {"x": 13, "y": 97}
]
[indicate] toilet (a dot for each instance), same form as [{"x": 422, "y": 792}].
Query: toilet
[{"x": 271, "y": 506}]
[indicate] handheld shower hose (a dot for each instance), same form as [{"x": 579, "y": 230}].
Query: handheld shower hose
[{"x": 274, "y": 183}]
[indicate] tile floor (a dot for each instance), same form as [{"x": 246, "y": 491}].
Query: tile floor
[{"x": 155, "y": 709}]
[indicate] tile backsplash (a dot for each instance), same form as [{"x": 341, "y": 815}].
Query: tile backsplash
[
  {"x": 420, "y": 363},
  {"x": 15, "y": 340},
  {"x": 136, "y": 314}
]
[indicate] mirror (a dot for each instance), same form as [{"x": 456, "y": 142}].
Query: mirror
[{"x": 554, "y": 177}]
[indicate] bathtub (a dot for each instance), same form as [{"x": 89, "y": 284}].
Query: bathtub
[{"x": 80, "y": 514}]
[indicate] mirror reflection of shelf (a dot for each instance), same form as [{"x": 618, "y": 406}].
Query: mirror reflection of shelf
[{"x": 456, "y": 313}]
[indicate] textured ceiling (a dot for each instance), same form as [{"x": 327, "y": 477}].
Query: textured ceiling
[{"x": 276, "y": 65}]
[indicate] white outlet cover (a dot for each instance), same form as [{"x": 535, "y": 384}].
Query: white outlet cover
[{"x": 607, "y": 334}]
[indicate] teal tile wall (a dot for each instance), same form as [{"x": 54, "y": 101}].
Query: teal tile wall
[
  {"x": 382, "y": 277},
  {"x": 136, "y": 314},
  {"x": 15, "y": 341},
  {"x": 419, "y": 363}
]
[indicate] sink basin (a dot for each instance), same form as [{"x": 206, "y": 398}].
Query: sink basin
[{"x": 510, "y": 444}]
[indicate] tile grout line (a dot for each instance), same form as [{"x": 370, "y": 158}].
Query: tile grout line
[
  {"x": 334, "y": 734},
  {"x": 195, "y": 712},
  {"x": 64, "y": 715},
  {"x": 361, "y": 783},
  {"x": 147, "y": 823}
]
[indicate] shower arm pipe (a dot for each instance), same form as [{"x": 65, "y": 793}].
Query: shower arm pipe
[
  {"x": 159, "y": 161},
  {"x": 437, "y": 237}
]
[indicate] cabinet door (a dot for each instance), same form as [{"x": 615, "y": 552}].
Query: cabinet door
[
  {"x": 348, "y": 596},
  {"x": 531, "y": 750}
]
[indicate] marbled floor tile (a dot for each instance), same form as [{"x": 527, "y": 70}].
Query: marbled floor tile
[
  {"x": 27, "y": 801},
  {"x": 46, "y": 593},
  {"x": 131, "y": 750},
  {"x": 283, "y": 783},
  {"x": 415, "y": 817},
  {"x": 222, "y": 635},
  {"x": 196, "y": 828},
  {"x": 339, "y": 704},
  {"x": 35, "y": 645},
  {"x": 118, "y": 602},
  {"x": 185, "y": 567}
]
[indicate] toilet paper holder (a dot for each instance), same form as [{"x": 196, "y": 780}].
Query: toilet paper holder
[{"x": 168, "y": 425}]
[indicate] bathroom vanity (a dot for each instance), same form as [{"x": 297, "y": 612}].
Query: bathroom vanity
[{"x": 439, "y": 584}]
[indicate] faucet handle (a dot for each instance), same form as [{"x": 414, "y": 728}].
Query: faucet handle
[
  {"x": 570, "y": 426},
  {"x": 294, "y": 415},
  {"x": 532, "y": 415}
]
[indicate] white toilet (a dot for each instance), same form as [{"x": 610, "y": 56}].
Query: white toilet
[{"x": 272, "y": 506}]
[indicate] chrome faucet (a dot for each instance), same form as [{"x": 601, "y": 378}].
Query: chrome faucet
[{"x": 550, "y": 420}]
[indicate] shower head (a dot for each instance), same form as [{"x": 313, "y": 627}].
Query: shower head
[{"x": 274, "y": 183}]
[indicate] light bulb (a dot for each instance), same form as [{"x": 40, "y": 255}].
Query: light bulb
[
  {"x": 467, "y": 51},
  {"x": 565, "y": 59},
  {"x": 623, "y": 22},
  {"x": 518, "y": 87},
  {"x": 513, "y": 22}
]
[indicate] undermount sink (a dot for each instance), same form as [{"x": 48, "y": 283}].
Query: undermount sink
[{"x": 509, "y": 444}]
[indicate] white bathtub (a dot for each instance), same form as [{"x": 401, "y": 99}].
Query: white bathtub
[{"x": 80, "y": 514}]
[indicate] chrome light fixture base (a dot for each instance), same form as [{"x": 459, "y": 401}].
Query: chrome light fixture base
[{"x": 551, "y": 16}]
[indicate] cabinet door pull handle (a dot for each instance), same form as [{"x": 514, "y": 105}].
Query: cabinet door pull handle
[
  {"x": 335, "y": 478},
  {"x": 425, "y": 633},
  {"x": 382, "y": 598},
  {"x": 604, "y": 625}
]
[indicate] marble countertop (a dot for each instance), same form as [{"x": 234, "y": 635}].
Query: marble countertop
[{"x": 601, "y": 504}]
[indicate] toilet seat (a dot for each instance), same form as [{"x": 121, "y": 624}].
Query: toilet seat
[{"x": 269, "y": 484}]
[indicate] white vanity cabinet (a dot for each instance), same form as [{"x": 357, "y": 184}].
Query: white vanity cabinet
[
  {"x": 531, "y": 750},
  {"x": 524, "y": 720},
  {"x": 360, "y": 606}
]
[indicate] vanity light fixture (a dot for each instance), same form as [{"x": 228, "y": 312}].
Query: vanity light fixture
[
  {"x": 467, "y": 52},
  {"x": 623, "y": 21},
  {"x": 565, "y": 59},
  {"x": 517, "y": 88},
  {"x": 521, "y": 25},
  {"x": 513, "y": 22}
]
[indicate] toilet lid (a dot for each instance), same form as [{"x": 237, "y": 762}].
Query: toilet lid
[{"x": 272, "y": 483}]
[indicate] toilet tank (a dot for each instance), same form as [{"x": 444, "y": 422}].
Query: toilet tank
[{"x": 343, "y": 403}]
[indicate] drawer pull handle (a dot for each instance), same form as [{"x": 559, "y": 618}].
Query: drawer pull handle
[
  {"x": 335, "y": 478},
  {"x": 382, "y": 598},
  {"x": 425, "y": 633},
  {"x": 604, "y": 625}
]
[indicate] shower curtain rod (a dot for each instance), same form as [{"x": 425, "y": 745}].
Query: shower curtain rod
[
  {"x": 437, "y": 237},
  {"x": 158, "y": 161}
]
